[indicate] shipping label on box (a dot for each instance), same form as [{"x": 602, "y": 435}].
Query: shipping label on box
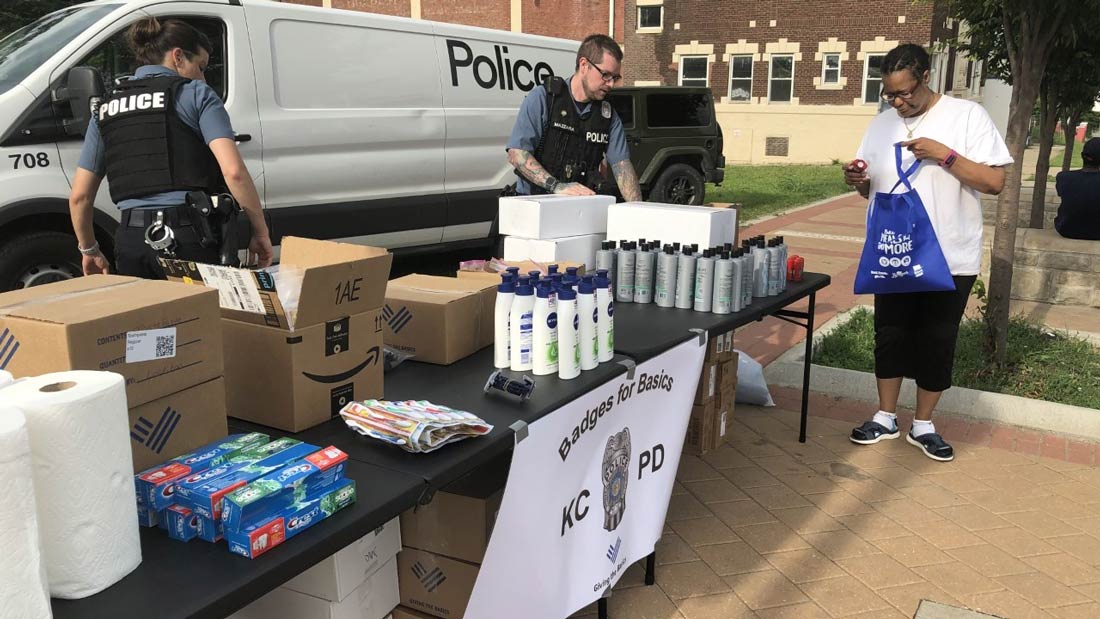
[
  {"x": 434, "y": 584},
  {"x": 243, "y": 294},
  {"x": 307, "y": 376},
  {"x": 337, "y": 576},
  {"x": 260, "y": 537},
  {"x": 279, "y": 489},
  {"x": 160, "y": 336},
  {"x": 439, "y": 319},
  {"x": 156, "y": 487},
  {"x": 708, "y": 383},
  {"x": 177, "y": 424}
]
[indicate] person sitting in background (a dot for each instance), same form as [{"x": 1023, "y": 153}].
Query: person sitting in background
[{"x": 1079, "y": 214}]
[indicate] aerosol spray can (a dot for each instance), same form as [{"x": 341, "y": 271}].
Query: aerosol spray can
[
  {"x": 776, "y": 267},
  {"x": 723, "y": 284},
  {"x": 704, "y": 282},
  {"x": 667, "y": 272},
  {"x": 624, "y": 276},
  {"x": 738, "y": 276},
  {"x": 760, "y": 270},
  {"x": 685, "y": 279},
  {"x": 645, "y": 265}
]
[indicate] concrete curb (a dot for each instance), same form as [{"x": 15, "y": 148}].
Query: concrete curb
[{"x": 786, "y": 371}]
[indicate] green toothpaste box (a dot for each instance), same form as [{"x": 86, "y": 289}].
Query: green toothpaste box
[{"x": 260, "y": 537}]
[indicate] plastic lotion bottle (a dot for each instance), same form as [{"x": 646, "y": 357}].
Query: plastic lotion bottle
[
  {"x": 685, "y": 279},
  {"x": 664, "y": 293},
  {"x": 723, "y": 285},
  {"x": 776, "y": 268},
  {"x": 624, "y": 275},
  {"x": 587, "y": 313},
  {"x": 760, "y": 270},
  {"x": 544, "y": 334},
  {"x": 522, "y": 308},
  {"x": 605, "y": 318},
  {"x": 704, "y": 281},
  {"x": 502, "y": 341},
  {"x": 645, "y": 261},
  {"x": 569, "y": 350}
]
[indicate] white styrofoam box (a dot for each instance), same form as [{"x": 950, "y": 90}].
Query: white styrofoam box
[
  {"x": 671, "y": 223},
  {"x": 552, "y": 216},
  {"x": 374, "y": 599},
  {"x": 569, "y": 249},
  {"x": 337, "y": 576}
]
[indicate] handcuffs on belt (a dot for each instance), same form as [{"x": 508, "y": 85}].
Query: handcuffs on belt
[{"x": 215, "y": 221}]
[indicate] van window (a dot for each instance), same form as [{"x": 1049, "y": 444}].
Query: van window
[
  {"x": 678, "y": 110},
  {"x": 624, "y": 105},
  {"x": 113, "y": 58},
  {"x": 26, "y": 49}
]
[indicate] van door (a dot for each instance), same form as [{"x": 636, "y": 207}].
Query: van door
[
  {"x": 230, "y": 73},
  {"x": 353, "y": 125},
  {"x": 486, "y": 75}
]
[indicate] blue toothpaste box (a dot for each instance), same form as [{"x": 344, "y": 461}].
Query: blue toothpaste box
[
  {"x": 147, "y": 517},
  {"x": 277, "y": 490},
  {"x": 260, "y": 537},
  {"x": 183, "y": 524},
  {"x": 156, "y": 486},
  {"x": 187, "y": 486}
]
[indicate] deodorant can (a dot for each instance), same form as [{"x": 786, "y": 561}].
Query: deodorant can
[
  {"x": 664, "y": 294},
  {"x": 685, "y": 279},
  {"x": 704, "y": 282}
]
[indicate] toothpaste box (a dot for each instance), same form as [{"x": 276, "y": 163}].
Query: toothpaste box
[
  {"x": 260, "y": 537},
  {"x": 185, "y": 487},
  {"x": 183, "y": 524},
  {"x": 282, "y": 488},
  {"x": 147, "y": 517},
  {"x": 156, "y": 486}
]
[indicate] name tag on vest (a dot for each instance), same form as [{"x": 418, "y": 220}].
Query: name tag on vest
[{"x": 132, "y": 103}]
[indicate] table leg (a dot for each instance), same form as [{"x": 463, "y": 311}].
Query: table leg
[
  {"x": 601, "y": 606},
  {"x": 806, "y": 367},
  {"x": 651, "y": 568}
]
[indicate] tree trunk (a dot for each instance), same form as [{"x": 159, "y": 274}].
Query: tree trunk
[
  {"x": 1048, "y": 123},
  {"x": 1070, "y": 133}
]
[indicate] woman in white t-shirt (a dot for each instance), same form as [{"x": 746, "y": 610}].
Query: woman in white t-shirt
[{"x": 963, "y": 155}]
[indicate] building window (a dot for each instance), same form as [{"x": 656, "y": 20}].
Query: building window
[
  {"x": 872, "y": 78},
  {"x": 651, "y": 17},
  {"x": 693, "y": 70},
  {"x": 781, "y": 79},
  {"x": 830, "y": 69},
  {"x": 741, "y": 78}
]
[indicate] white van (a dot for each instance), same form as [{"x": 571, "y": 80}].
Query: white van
[{"x": 380, "y": 130}]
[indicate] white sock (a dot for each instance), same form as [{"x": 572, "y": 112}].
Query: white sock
[
  {"x": 920, "y": 428},
  {"x": 889, "y": 420}
]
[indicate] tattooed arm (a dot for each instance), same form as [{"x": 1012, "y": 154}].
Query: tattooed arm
[
  {"x": 525, "y": 163},
  {"x": 627, "y": 180}
]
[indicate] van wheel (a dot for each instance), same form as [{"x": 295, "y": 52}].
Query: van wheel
[
  {"x": 679, "y": 183},
  {"x": 38, "y": 258}
]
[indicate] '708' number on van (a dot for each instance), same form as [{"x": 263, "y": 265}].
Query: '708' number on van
[{"x": 30, "y": 160}]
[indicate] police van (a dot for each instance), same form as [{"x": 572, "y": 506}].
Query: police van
[{"x": 372, "y": 129}]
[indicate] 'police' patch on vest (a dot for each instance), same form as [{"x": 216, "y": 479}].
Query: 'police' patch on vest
[
  {"x": 596, "y": 138},
  {"x": 143, "y": 101}
]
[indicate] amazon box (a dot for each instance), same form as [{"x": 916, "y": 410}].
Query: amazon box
[
  {"x": 298, "y": 379},
  {"x": 439, "y": 319}
]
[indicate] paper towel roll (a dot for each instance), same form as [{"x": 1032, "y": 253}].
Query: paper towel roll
[
  {"x": 23, "y": 592},
  {"x": 83, "y": 478}
]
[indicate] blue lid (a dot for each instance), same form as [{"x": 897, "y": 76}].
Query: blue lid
[
  {"x": 567, "y": 294},
  {"x": 553, "y": 268},
  {"x": 602, "y": 273},
  {"x": 513, "y": 270},
  {"x": 543, "y": 292},
  {"x": 524, "y": 290},
  {"x": 523, "y": 280},
  {"x": 534, "y": 274},
  {"x": 557, "y": 278},
  {"x": 572, "y": 271},
  {"x": 586, "y": 286},
  {"x": 506, "y": 286},
  {"x": 601, "y": 279}
]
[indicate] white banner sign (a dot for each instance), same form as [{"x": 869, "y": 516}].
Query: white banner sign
[{"x": 587, "y": 492}]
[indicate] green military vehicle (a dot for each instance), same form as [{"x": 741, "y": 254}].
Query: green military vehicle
[{"x": 674, "y": 138}]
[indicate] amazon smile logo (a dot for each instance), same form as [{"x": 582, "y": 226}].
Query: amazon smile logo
[{"x": 372, "y": 359}]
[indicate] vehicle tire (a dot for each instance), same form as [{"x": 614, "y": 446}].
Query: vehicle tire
[
  {"x": 679, "y": 183},
  {"x": 37, "y": 258}
]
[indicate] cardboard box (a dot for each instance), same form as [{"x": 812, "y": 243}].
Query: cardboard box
[
  {"x": 177, "y": 424},
  {"x": 708, "y": 383},
  {"x": 329, "y": 280},
  {"x": 339, "y": 575},
  {"x": 161, "y": 337},
  {"x": 671, "y": 223},
  {"x": 373, "y": 599},
  {"x": 525, "y": 266},
  {"x": 402, "y": 612},
  {"x": 571, "y": 248},
  {"x": 459, "y": 521},
  {"x": 552, "y": 217},
  {"x": 439, "y": 319},
  {"x": 298, "y": 380},
  {"x": 435, "y": 585},
  {"x": 706, "y": 428}
]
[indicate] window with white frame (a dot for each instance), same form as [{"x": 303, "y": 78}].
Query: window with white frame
[
  {"x": 872, "y": 78},
  {"x": 693, "y": 70},
  {"x": 830, "y": 69},
  {"x": 651, "y": 17},
  {"x": 741, "y": 77},
  {"x": 781, "y": 79}
]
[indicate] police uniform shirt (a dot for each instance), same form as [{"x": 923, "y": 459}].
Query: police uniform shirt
[
  {"x": 197, "y": 105},
  {"x": 531, "y": 120}
]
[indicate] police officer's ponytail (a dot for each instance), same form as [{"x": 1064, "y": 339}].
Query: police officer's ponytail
[{"x": 150, "y": 39}]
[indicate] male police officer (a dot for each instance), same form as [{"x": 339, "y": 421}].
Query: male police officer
[{"x": 565, "y": 128}]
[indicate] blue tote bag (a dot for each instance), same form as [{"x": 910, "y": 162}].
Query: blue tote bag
[{"x": 901, "y": 253}]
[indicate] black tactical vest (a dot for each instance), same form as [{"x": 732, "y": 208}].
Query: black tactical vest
[
  {"x": 572, "y": 148},
  {"x": 149, "y": 149}
]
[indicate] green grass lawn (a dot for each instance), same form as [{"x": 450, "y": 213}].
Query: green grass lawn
[
  {"x": 1043, "y": 365},
  {"x": 769, "y": 190}
]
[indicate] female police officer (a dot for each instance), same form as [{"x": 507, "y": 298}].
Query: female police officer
[{"x": 158, "y": 136}]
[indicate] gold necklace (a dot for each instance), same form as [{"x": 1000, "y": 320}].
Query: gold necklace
[{"x": 923, "y": 116}]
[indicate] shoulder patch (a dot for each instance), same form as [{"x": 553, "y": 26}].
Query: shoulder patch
[{"x": 606, "y": 110}]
